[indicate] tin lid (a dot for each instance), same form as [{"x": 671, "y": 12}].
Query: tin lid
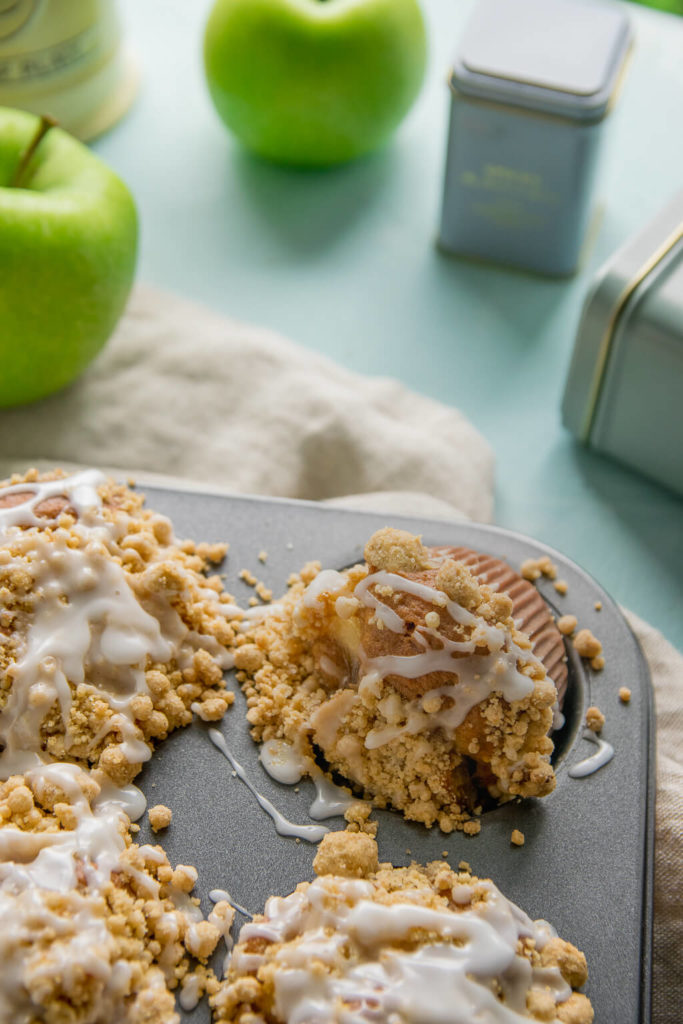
[
  {"x": 646, "y": 260},
  {"x": 559, "y": 56}
]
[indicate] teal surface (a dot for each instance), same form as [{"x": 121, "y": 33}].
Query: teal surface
[{"x": 345, "y": 262}]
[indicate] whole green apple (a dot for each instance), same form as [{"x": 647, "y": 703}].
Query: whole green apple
[
  {"x": 314, "y": 82},
  {"x": 68, "y": 242}
]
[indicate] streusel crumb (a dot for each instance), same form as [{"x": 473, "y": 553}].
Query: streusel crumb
[
  {"x": 517, "y": 837},
  {"x": 587, "y": 645},
  {"x": 624, "y": 694},
  {"x": 160, "y": 817},
  {"x": 595, "y": 719}
]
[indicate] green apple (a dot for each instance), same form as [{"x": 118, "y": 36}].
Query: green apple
[
  {"x": 314, "y": 82},
  {"x": 68, "y": 241}
]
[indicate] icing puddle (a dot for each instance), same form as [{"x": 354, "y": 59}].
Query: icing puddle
[
  {"x": 601, "y": 757},
  {"x": 283, "y": 826}
]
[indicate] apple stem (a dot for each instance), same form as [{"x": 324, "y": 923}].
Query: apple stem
[{"x": 46, "y": 122}]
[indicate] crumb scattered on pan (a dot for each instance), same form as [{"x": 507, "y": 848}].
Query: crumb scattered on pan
[
  {"x": 533, "y": 568},
  {"x": 517, "y": 837},
  {"x": 561, "y": 586},
  {"x": 358, "y": 818},
  {"x": 160, "y": 817},
  {"x": 595, "y": 719},
  {"x": 624, "y": 694},
  {"x": 587, "y": 645},
  {"x": 567, "y": 624},
  {"x": 598, "y": 606}
]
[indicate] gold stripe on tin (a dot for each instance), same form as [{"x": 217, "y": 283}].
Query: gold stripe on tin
[{"x": 606, "y": 342}]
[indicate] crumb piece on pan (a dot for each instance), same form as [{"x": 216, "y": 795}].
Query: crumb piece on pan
[
  {"x": 624, "y": 694},
  {"x": 567, "y": 624},
  {"x": 587, "y": 645},
  {"x": 160, "y": 817},
  {"x": 517, "y": 837},
  {"x": 561, "y": 586},
  {"x": 595, "y": 719},
  {"x": 533, "y": 568},
  {"x": 358, "y": 818}
]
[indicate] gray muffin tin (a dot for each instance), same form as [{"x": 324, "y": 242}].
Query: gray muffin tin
[{"x": 587, "y": 862}]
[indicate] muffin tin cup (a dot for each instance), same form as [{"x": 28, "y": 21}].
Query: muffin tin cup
[{"x": 587, "y": 862}]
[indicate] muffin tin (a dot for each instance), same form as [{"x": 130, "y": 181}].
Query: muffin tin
[{"x": 587, "y": 861}]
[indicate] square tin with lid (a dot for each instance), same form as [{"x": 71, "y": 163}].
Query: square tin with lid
[
  {"x": 624, "y": 391},
  {"x": 531, "y": 87}
]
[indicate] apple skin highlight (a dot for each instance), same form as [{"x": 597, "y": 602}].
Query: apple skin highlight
[
  {"x": 314, "y": 82},
  {"x": 68, "y": 246}
]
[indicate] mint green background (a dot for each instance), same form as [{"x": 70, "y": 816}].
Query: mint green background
[{"x": 344, "y": 262}]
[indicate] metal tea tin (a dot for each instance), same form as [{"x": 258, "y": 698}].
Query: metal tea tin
[
  {"x": 531, "y": 87},
  {"x": 624, "y": 392},
  {"x": 65, "y": 58}
]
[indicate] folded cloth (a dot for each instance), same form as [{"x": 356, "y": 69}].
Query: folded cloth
[
  {"x": 180, "y": 390},
  {"x": 198, "y": 400}
]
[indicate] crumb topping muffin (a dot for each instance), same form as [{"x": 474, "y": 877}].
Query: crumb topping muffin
[
  {"x": 410, "y": 677},
  {"x": 110, "y": 634},
  {"x": 93, "y": 928},
  {"x": 368, "y": 942}
]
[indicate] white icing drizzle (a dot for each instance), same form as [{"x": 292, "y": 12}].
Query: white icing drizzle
[
  {"x": 220, "y": 895},
  {"x": 478, "y": 675},
  {"x": 328, "y": 581},
  {"x": 283, "y": 827},
  {"x": 80, "y": 489},
  {"x": 330, "y": 799},
  {"x": 445, "y": 982},
  {"x": 285, "y": 764},
  {"x": 223, "y": 920},
  {"x": 601, "y": 757},
  {"x": 190, "y": 990},
  {"x": 558, "y": 717}
]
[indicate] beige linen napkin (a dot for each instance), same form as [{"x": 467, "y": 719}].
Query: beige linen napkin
[{"x": 181, "y": 392}]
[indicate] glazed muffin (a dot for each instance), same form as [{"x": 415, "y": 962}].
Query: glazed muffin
[
  {"x": 94, "y": 927},
  {"x": 111, "y": 630},
  {"x": 409, "y": 677},
  {"x": 368, "y": 942}
]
